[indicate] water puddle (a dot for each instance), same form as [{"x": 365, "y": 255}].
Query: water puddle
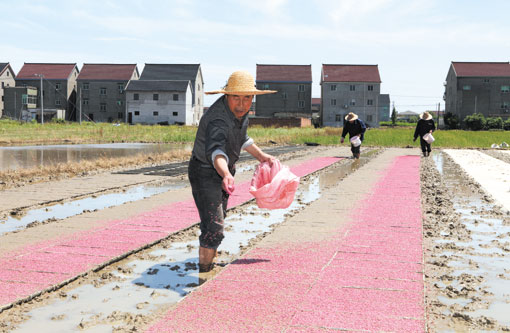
[
  {"x": 163, "y": 275},
  {"x": 484, "y": 254},
  {"x": 72, "y": 208},
  {"x": 12, "y": 158}
]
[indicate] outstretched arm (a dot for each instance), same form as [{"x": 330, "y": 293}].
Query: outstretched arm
[{"x": 256, "y": 152}]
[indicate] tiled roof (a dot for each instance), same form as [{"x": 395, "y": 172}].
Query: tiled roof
[
  {"x": 481, "y": 68},
  {"x": 170, "y": 72},
  {"x": 158, "y": 85},
  {"x": 284, "y": 73},
  {"x": 316, "y": 100},
  {"x": 107, "y": 72},
  {"x": 3, "y": 65},
  {"x": 50, "y": 71},
  {"x": 350, "y": 73}
]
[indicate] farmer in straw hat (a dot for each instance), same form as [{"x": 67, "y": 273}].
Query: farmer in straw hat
[
  {"x": 355, "y": 127},
  {"x": 220, "y": 137},
  {"x": 425, "y": 125}
]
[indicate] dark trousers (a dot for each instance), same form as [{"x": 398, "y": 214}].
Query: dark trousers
[
  {"x": 211, "y": 202},
  {"x": 425, "y": 146},
  {"x": 355, "y": 150}
]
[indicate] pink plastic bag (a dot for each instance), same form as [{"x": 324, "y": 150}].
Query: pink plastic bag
[{"x": 273, "y": 186}]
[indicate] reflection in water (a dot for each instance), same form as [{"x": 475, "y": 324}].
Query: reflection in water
[{"x": 12, "y": 158}]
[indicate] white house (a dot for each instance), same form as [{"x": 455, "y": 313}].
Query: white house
[{"x": 159, "y": 102}]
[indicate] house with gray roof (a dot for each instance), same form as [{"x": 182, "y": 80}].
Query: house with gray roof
[
  {"x": 350, "y": 88},
  {"x": 172, "y": 72},
  {"x": 159, "y": 102},
  {"x": 294, "y": 86},
  {"x": 101, "y": 96},
  {"x": 7, "y": 77},
  {"x": 478, "y": 87},
  {"x": 58, "y": 86}
]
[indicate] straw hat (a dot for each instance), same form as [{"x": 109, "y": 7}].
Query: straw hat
[
  {"x": 241, "y": 83},
  {"x": 351, "y": 116},
  {"x": 425, "y": 116}
]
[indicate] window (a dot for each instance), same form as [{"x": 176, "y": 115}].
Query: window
[
  {"x": 175, "y": 113},
  {"x": 370, "y": 87},
  {"x": 91, "y": 116},
  {"x": 338, "y": 117},
  {"x": 300, "y": 104},
  {"x": 466, "y": 87},
  {"x": 137, "y": 113},
  {"x": 486, "y": 80},
  {"x": 352, "y": 87},
  {"x": 102, "y": 107},
  {"x": 265, "y": 86},
  {"x": 136, "y": 97},
  {"x": 85, "y": 101},
  {"x": 301, "y": 87},
  {"x": 369, "y": 117},
  {"x": 176, "y": 97},
  {"x": 155, "y": 113},
  {"x": 333, "y": 87},
  {"x": 57, "y": 102},
  {"x": 333, "y": 102},
  {"x": 155, "y": 97},
  {"x": 353, "y": 102},
  {"x": 121, "y": 87},
  {"x": 370, "y": 102},
  {"x": 505, "y": 89},
  {"x": 7, "y": 73},
  {"x": 85, "y": 86},
  {"x": 120, "y": 115},
  {"x": 284, "y": 95},
  {"x": 3, "y": 85},
  {"x": 119, "y": 102},
  {"x": 57, "y": 86},
  {"x": 102, "y": 91},
  {"x": 504, "y": 105}
]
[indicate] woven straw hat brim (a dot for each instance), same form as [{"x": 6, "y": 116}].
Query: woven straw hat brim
[
  {"x": 241, "y": 92},
  {"x": 351, "y": 116},
  {"x": 428, "y": 116}
]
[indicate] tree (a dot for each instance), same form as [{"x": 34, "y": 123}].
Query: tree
[
  {"x": 451, "y": 120},
  {"x": 394, "y": 117},
  {"x": 475, "y": 122}
]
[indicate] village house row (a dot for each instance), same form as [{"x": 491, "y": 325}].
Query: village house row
[{"x": 174, "y": 93}]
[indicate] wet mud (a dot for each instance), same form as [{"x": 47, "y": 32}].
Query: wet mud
[{"x": 466, "y": 251}]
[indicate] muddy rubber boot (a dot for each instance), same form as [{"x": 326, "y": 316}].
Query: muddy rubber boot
[
  {"x": 424, "y": 154},
  {"x": 356, "y": 156},
  {"x": 205, "y": 259}
]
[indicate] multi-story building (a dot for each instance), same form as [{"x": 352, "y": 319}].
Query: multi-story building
[
  {"x": 350, "y": 88},
  {"x": 159, "y": 102},
  {"x": 21, "y": 102},
  {"x": 6, "y": 80},
  {"x": 384, "y": 107},
  {"x": 58, "y": 86},
  {"x": 294, "y": 86},
  {"x": 179, "y": 72},
  {"x": 101, "y": 91},
  {"x": 478, "y": 87}
]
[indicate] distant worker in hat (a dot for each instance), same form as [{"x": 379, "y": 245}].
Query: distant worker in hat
[
  {"x": 355, "y": 127},
  {"x": 425, "y": 125},
  {"x": 218, "y": 143}
]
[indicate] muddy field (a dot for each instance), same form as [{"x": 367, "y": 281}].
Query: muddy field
[{"x": 466, "y": 253}]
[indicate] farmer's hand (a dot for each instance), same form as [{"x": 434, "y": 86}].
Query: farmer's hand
[
  {"x": 266, "y": 158},
  {"x": 228, "y": 183},
  {"x": 414, "y": 140},
  {"x": 342, "y": 140}
]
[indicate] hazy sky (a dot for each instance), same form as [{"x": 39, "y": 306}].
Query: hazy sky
[{"x": 412, "y": 41}]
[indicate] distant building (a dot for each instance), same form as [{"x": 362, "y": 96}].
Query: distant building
[
  {"x": 350, "y": 88},
  {"x": 159, "y": 102},
  {"x": 407, "y": 115},
  {"x": 478, "y": 87},
  {"x": 384, "y": 107},
  {"x": 101, "y": 91},
  {"x": 59, "y": 86},
  {"x": 6, "y": 80},
  {"x": 179, "y": 72},
  {"x": 294, "y": 86},
  {"x": 21, "y": 103}
]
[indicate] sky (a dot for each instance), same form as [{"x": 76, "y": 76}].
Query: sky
[{"x": 412, "y": 41}]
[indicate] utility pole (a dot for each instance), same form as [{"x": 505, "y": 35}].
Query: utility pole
[{"x": 42, "y": 100}]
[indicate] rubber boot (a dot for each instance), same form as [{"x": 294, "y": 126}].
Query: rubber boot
[
  {"x": 356, "y": 156},
  {"x": 205, "y": 259},
  {"x": 424, "y": 154}
]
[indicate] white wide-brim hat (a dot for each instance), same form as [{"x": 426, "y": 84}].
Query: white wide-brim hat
[
  {"x": 241, "y": 83},
  {"x": 351, "y": 116},
  {"x": 425, "y": 116}
]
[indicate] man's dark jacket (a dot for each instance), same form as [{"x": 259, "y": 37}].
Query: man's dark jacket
[
  {"x": 423, "y": 127},
  {"x": 356, "y": 128}
]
